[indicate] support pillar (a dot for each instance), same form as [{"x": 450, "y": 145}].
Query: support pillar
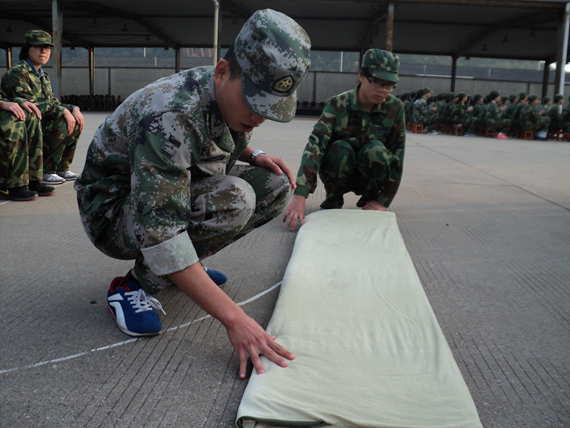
[
  {"x": 8, "y": 57},
  {"x": 177, "y": 60},
  {"x": 216, "y": 47},
  {"x": 91, "y": 71},
  {"x": 545, "y": 78},
  {"x": 390, "y": 27},
  {"x": 561, "y": 56},
  {"x": 453, "y": 73},
  {"x": 56, "y": 38}
]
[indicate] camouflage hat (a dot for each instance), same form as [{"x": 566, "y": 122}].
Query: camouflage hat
[
  {"x": 477, "y": 97},
  {"x": 493, "y": 95},
  {"x": 532, "y": 98},
  {"x": 426, "y": 90},
  {"x": 558, "y": 97},
  {"x": 461, "y": 95},
  {"x": 382, "y": 64},
  {"x": 522, "y": 96},
  {"x": 273, "y": 52},
  {"x": 38, "y": 38},
  {"x": 513, "y": 97},
  {"x": 545, "y": 100}
]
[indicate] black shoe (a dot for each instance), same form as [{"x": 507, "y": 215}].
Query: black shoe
[
  {"x": 18, "y": 194},
  {"x": 41, "y": 189}
]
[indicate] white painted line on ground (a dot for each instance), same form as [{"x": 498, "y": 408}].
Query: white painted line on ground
[{"x": 125, "y": 342}]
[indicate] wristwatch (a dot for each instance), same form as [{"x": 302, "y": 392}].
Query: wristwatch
[{"x": 255, "y": 154}]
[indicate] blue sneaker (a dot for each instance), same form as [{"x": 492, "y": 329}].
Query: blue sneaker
[
  {"x": 218, "y": 277},
  {"x": 134, "y": 311}
]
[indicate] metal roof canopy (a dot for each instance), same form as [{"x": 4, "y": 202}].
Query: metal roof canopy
[{"x": 507, "y": 29}]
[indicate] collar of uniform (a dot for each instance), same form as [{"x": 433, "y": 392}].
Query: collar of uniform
[
  {"x": 210, "y": 108},
  {"x": 39, "y": 72},
  {"x": 355, "y": 105}
]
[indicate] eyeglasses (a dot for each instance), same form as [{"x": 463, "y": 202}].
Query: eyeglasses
[
  {"x": 43, "y": 48},
  {"x": 386, "y": 87}
]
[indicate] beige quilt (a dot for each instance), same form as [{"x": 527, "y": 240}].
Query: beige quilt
[{"x": 369, "y": 350}]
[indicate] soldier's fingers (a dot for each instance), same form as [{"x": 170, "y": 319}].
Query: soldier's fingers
[
  {"x": 256, "y": 362},
  {"x": 242, "y": 365},
  {"x": 37, "y": 111}
]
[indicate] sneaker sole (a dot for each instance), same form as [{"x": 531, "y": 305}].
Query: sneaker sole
[
  {"x": 52, "y": 183},
  {"x": 4, "y": 198},
  {"x": 126, "y": 330}
]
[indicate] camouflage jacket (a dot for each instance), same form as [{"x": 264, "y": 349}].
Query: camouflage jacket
[
  {"x": 509, "y": 111},
  {"x": 459, "y": 114},
  {"x": 529, "y": 116},
  {"x": 554, "y": 112},
  {"x": 420, "y": 111},
  {"x": 20, "y": 83},
  {"x": 344, "y": 118},
  {"x": 147, "y": 152}
]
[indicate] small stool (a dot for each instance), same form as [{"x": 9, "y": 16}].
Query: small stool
[
  {"x": 417, "y": 128},
  {"x": 488, "y": 132},
  {"x": 456, "y": 130},
  {"x": 409, "y": 126},
  {"x": 527, "y": 135}
]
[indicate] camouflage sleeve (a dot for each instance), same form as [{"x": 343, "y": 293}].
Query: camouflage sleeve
[
  {"x": 166, "y": 145},
  {"x": 315, "y": 150},
  {"x": 19, "y": 87},
  {"x": 396, "y": 144}
]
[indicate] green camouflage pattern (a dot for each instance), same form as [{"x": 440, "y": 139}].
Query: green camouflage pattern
[
  {"x": 160, "y": 184},
  {"x": 531, "y": 120},
  {"x": 475, "y": 118},
  {"x": 458, "y": 114},
  {"x": 382, "y": 64},
  {"x": 20, "y": 83},
  {"x": 38, "y": 38},
  {"x": 554, "y": 112},
  {"x": 274, "y": 54},
  {"x": 355, "y": 150},
  {"x": 21, "y": 156},
  {"x": 422, "y": 114},
  {"x": 493, "y": 118}
]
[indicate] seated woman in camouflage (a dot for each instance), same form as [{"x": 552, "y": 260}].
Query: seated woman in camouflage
[
  {"x": 21, "y": 152},
  {"x": 61, "y": 124},
  {"x": 358, "y": 143}
]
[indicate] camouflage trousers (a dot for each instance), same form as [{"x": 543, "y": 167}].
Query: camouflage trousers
[
  {"x": 224, "y": 209},
  {"x": 59, "y": 145},
  {"x": 21, "y": 157},
  {"x": 541, "y": 124},
  {"x": 354, "y": 166},
  {"x": 499, "y": 125}
]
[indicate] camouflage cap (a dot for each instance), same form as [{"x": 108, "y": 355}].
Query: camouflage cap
[
  {"x": 493, "y": 95},
  {"x": 558, "y": 97},
  {"x": 477, "y": 97},
  {"x": 546, "y": 99},
  {"x": 522, "y": 96},
  {"x": 532, "y": 98},
  {"x": 38, "y": 38},
  {"x": 382, "y": 64},
  {"x": 461, "y": 95},
  {"x": 273, "y": 52},
  {"x": 513, "y": 97}
]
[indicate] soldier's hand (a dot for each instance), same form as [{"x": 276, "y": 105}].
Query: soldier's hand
[
  {"x": 70, "y": 120},
  {"x": 295, "y": 211},
  {"x": 373, "y": 205},
  {"x": 78, "y": 118},
  {"x": 277, "y": 165},
  {"x": 249, "y": 339},
  {"x": 31, "y": 107},
  {"x": 13, "y": 108}
]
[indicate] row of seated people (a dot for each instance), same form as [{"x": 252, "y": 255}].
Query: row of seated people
[
  {"x": 516, "y": 115},
  {"x": 38, "y": 133}
]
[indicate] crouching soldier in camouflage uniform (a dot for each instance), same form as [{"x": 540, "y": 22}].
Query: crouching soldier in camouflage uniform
[
  {"x": 358, "y": 143},
  {"x": 161, "y": 184},
  {"x": 21, "y": 152},
  {"x": 61, "y": 124}
]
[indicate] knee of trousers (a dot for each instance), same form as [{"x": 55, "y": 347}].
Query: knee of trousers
[
  {"x": 232, "y": 200},
  {"x": 374, "y": 159},
  {"x": 339, "y": 156}
]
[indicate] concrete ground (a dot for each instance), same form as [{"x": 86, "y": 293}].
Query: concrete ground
[{"x": 486, "y": 221}]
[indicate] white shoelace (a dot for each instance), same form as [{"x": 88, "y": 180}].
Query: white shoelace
[{"x": 141, "y": 302}]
